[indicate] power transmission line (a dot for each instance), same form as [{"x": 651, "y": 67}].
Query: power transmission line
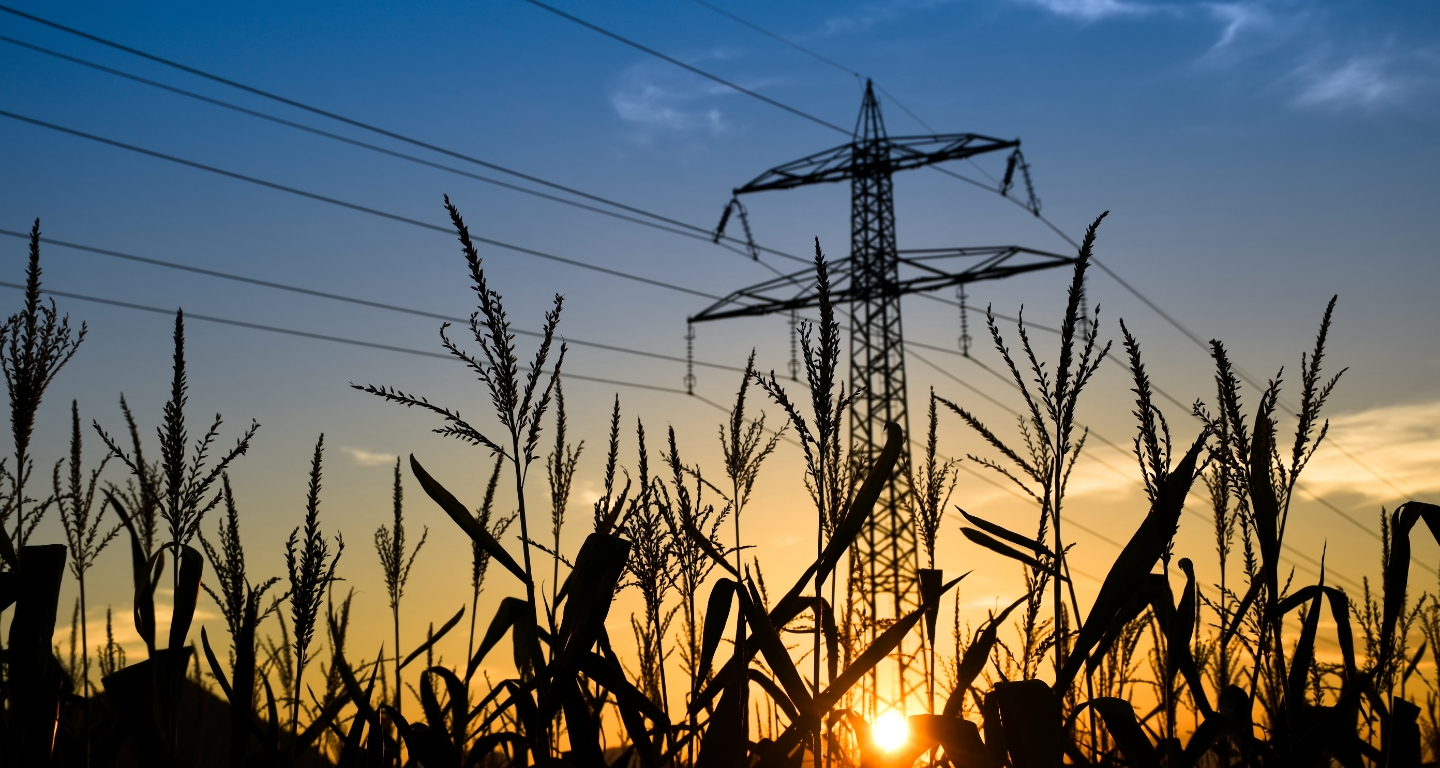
[
  {"x": 1300, "y": 486},
  {"x": 353, "y": 206},
  {"x": 746, "y": 91},
  {"x": 818, "y": 57},
  {"x": 1287, "y": 547},
  {"x": 1239, "y": 371},
  {"x": 315, "y": 336},
  {"x": 689, "y": 68},
  {"x": 352, "y": 122},
  {"x": 349, "y": 299},
  {"x": 426, "y": 225},
  {"x": 299, "y": 105}
]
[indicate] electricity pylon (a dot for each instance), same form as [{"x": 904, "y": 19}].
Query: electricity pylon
[{"x": 871, "y": 281}]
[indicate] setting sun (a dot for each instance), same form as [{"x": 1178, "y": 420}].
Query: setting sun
[{"x": 890, "y": 731}]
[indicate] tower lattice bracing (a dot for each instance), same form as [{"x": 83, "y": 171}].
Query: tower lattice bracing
[
  {"x": 869, "y": 283},
  {"x": 886, "y": 549}
]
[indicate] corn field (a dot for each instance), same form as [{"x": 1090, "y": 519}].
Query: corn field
[{"x": 1156, "y": 670}]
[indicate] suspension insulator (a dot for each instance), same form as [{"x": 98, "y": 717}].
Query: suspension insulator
[
  {"x": 964, "y": 320},
  {"x": 724, "y": 219},
  {"x": 1009, "y": 173},
  {"x": 794, "y": 346},
  {"x": 1034, "y": 202},
  {"x": 689, "y": 359}
]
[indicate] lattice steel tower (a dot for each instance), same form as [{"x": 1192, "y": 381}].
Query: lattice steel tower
[{"x": 871, "y": 282}]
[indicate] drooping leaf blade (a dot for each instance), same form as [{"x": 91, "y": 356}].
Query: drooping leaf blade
[{"x": 467, "y": 522}]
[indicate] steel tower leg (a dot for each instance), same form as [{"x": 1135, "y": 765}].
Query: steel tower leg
[{"x": 887, "y": 548}]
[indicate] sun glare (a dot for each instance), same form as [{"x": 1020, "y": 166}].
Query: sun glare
[{"x": 890, "y": 731}]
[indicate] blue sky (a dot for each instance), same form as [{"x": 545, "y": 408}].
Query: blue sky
[{"x": 1256, "y": 157}]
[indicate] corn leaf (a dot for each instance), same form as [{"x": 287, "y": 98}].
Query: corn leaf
[
  {"x": 584, "y": 734},
  {"x": 717, "y": 614},
  {"x": 1140, "y": 554},
  {"x": 864, "y": 502},
  {"x": 1302, "y": 657},
  {"x": 773, "y": 648},
  {"x": 1030, "y": 717},
  {"x": 144, "y": 600},
  {"x": 976, "y": 656},
  {"x": 776, "y": 693},
  {"x": 435, "y": 638},
  {"x": 1007, "y": 534},
  {"x": 1119, "y": 717},
  {"x": 35, "y": 679},
  {"x": 1265, "y": 509},
  {"x": 187, "y": 595},
  {"x": 725, "y": 742},
  {"x": 597, "y": 572},
  {"x": 995, "y": 545},
  {"x": 504, "y": 619},
  {"x": 467, "y": 522}
]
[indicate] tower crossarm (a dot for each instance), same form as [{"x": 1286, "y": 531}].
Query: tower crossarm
[
  {"x": 898, "y": 153},
  {"x": 920, "y": 271}
]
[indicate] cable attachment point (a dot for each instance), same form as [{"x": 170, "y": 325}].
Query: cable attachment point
[{"x": 689, "y": 358}]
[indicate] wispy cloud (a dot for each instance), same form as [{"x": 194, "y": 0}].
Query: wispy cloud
[
  {"x": 1089, "y": 10},
  {"x": 662, "y": 100},
  {"x": 1357, "y": 82},
  {"x": 1238, "y": 18},
  {"x": 368, "y": 458},
  {"x": 1314, "y": 55},
  {"x": 1401, "y": 442},
  {"x": 869, "y": 15}
]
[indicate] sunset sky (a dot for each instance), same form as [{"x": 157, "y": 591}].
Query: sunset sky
[{"x": 1256, "y": 158}]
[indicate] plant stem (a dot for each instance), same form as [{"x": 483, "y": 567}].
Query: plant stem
[
  {"x": 85, "y": 673},
  {"x": 395, "y": 613}
]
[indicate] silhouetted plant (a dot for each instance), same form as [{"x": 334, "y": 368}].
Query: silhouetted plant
[
  {"x": 240, "y": 603},
  {"x": 1048, "y": 430},
  {"x": 826, "y": 464},
  {"x": 85, "y": 539},
  {"x": 519, "y": 405},
  {"x": 311, "y": 563},
  {"x": 110, "y": 656},
  {"x": 186, "y": 482},
  {"x": 652, "y": 570},
  {"x": 140, "y": 495},
  {"x": 35, "y": 343},
  {"x": 395, "y": 565},
  {"x": 745, "y": 446},
  {"x": 560, "y": 468},
  {"x": 84, "y": 535},
  {"x": 479, "y": 556}
]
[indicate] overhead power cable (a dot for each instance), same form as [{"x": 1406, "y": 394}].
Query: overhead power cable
[
  {"x": 315, "y": 336},
  {"x": 740, "y": 89},
  {"x": 781, "y": 40},
  {"x": 353, "y": 206},
  {"x": 1172, "y": 321},
  {"x": 689, "y": 68},
  {"x": 1299, "y": 486},
  {"x": 352, "y": 122},
  {"x": 1204, "y": 347},
  {"x": 818, "y": 57},
  {"x": 348, "y": 299},
  {"x": 1287, "y": 547}
]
